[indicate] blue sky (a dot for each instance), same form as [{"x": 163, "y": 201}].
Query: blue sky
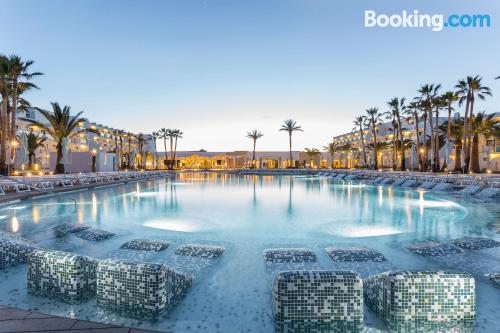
[{"x": 216, "y": 69}]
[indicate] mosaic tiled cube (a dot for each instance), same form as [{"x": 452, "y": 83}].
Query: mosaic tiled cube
[
  {"x": 94, "y": 235},
  {"x": 495, "y": 278},
  {"x": 140, "y": 290},
  {"x": 427, "y": 185},
  {"x": 443, "y": 187},
  {"x": 315, "y": 301},
  {"x": 14, "y": 252},
  {"x": 471, "y": 190},
  {"x": 402, "y": 297},
  {"x": 489, "y": 193},
  {"x": 69, "y": 228},
  {"x": 61, "y": 275},
  {"x": 200, "y": 250},
  {"x": 348, "y": 254},
  {"x": 475, "y": 243},
  {"x": 386, "y": 181},
  {"x": 398, "y": 182},
  {"x": 289, "y": 255},
  {"x": 410, "y": 183},
  {"x": 434, "y": 249},
  {"x": 146, "y": 245}
]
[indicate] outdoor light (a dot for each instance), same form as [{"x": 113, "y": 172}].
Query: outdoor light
[
  {"x": 94, "y": 151},
  {"x": 422, "y": 150},
  {"x": 14, "y": 143},
  {"x": 488, "y": 171}
]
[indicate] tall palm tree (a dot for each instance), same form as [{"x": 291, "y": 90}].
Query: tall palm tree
[
  {"x": 177, "y": 135},
  {"x": 141, "y": 140},
  {"x": 374, "y": 119},
  {"x": 61, "y": 125},
  {"x": 359, "y": 122},
  {"x": 155, "y": 136},
  {"x": 254, "y": 135},
  {"x": 346, "y": 149},
  {"x": 332, "y": 148},
  {"x": 469, "y": 89},
  {"x": 487, "y": 126},
  {"x": 428, "y": 92},
  {"x": 397, "y": 108},
  {"x": 448, "y": 99},
  {"x": 164, "y": 134},
  {"x": 413, "y": 111},
  {"x": 312, "y": 153},
  {"x": 34, "y": 142},
  {"x": 456, "y": 136},
  {"x": 290, "y": 126},
  {"x": 376, "y": 148},
  {"x": 19, "y": 76},
  {"x": 4, "y": 92}
]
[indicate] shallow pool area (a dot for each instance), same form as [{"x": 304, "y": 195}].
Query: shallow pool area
[{"x": 247, "y": 215}]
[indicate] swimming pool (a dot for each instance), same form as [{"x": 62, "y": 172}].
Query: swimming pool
[{"x": 246, "y": 215}]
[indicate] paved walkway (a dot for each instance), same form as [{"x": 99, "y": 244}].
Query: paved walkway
[{"x": 20, "y": 321}]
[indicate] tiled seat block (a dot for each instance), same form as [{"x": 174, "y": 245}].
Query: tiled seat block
[
  {"x": 410, "y": 183},
  {"x": 200, "y": 250},
  {"x": 398, "y": 182},
  {"x": 420, "y": 296},
  {"x": 140, "y": 290},
  {"x": 65, "y": 276},
  {"x": 495, "y": 278},
  {"x": 475, "y": 243},
  {"x": 427, "y": 185},
  {"x": 289, "y": 255},
  {"x": 310, "y": 301},
  {"x": 489, "y": 193},
  {"x": 471, "y": 190},
  {"x": 67, "y": 228},
  {"x": 13, "y": 252},
  {"x": 386, "y": 181},
  {"x": 434, "y": 249},
  {"x": 94, "y": 235},
  {"x": 349, "y": 254},
  {"x": 146, "y": 245},
  {"x": 443, "y": 187}
]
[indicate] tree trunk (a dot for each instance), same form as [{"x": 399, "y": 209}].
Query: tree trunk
[
  {"x": 474, "y": 158},
  {"x": 165, "y": 146},
  {"x": 175, "y": 152},
  {"x": 362, "y": 145},
  {"x": 448, "y": 137},
  {"x": 433, "y": 138},
  {"x": 253, "y": 153},
  {"x": 403, "y": 156},
  {"x": 436, "y": 143},
  {"x": 425, "y": 155},
  {"x": 465, "y": 135},
  {"x": 375, "y": 161},
  {"x": 458, "y": 156},
  {"x": 4, "y": 140},
  {"x": 420, "y": 163},
  {"x": 470, "y": 134},
  {"x": 290, "y": 144},
  {"x": 59, "y": 167}
]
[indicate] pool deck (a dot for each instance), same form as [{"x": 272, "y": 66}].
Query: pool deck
[{"x": 19, "y": 321}]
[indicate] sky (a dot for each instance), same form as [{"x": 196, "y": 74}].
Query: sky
[{"x": 218, "y": 68}]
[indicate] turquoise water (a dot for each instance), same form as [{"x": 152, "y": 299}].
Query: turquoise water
[{"x": 247, "y": 214}]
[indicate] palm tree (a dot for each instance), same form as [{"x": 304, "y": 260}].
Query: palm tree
[
  {"x": 312, "y": 153},
  {"x": 413, "y": 111},
  {"x": 61, "y": 126},
  {"x": 332, "y": 148},
  {"x": 373, "y": 119},
  {"x": 141, "y": 140},
  {"x": 34, "y": 142},
  {"x": 155, "y": 136},
  {"x": 397, "y": 108},
  {"x": 177, "y": 135},
  {"x": 346, "y": 149},
  {"x": 428, "y": 93},
  {"x": 376, "y": 148},
  {"x": 4, "y": 91},
  {"x": 254, "y": 135},
  {"x": 164, "y": 134},
  {"x": 359, "y": 122},
  {"x": 290, "y": 126},
  {"x": 448, "y": 98},
  {"x": 456, "y": 135},
  {"x": 487, "y": 126},
  {"x": 469, "y": 89}
]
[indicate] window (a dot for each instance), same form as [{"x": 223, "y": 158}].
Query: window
[{"x": 490, "y": 143}]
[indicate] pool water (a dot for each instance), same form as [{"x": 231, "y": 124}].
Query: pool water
[{"x": 247, "y": 214}]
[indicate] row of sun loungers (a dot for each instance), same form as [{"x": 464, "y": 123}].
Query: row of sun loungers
[{"x": 21, "y": 184}]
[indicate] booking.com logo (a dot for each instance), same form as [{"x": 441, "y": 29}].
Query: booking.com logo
[{"x": 436, "y": 22}]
